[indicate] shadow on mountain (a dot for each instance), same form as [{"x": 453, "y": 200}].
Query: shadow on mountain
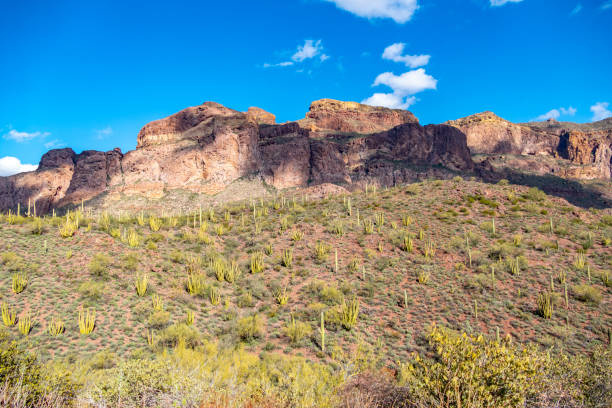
[{"x": 574, "y": 192}]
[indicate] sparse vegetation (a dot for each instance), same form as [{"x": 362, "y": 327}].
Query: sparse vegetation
[{"x": 369, "y": 272}]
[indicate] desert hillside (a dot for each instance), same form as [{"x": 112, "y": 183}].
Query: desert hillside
[{"x": 347, "y": 286}]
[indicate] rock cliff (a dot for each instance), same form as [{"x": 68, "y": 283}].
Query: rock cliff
[
  {"x": 328, "y": 115},
  {"x": 205, "y": 148},
  {"x": 580, "y": 151}
]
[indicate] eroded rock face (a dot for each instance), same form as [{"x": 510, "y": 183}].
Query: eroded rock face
[
  {"x": 188, "y": 124},
  {"x": 285, "y": 155},
  {"x": 489, "y": 134},
  {"x": 207, "y": 144},
  {"x": 591, "y": 150},
  {"x": 205, "y": 148},
  {"x": 260, "y": 116},
  {"x": 584, "y": 149},
  {"x": 388, "y": 157},
  {"x": 57, "y": 158},
  {"x": 338, "y": 116},
  {"x": 46, "y": 186},
  {"x": 92, "y": 173}
]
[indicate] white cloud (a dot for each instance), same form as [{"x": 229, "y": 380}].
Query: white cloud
[
  {"x": 280, "y": 64},
  {"x": 568, "y": 111},
  {"x": 12, "y": 165},
  {"x": 395, "y": 52},
  {"x": 556, "y": 113},
  {"x": 576, "y": 9},
  {"x": 390, "y": 100},
  {"x": 400, "y": 11},
  {"x": 607, "y": 5},
  {"x": 21, "y": 137},
  {"x": 408, "y": 83},
  {"x": 404, "y": 87},
  {"x": 309, "y": 50},
  {"x": 495, "y": 3},
  {"x": 54, "y": 144},
  {"x": 600, "y": 111},
  {"x": 104, "y": 133}
]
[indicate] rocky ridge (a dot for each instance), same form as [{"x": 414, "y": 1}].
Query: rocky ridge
[
  {"x": 204, "y": 148},
  {"x": 582, "y": 151}
]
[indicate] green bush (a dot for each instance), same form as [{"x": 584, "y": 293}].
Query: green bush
[
  {"x": 587, "y": 293},
  {"x": 27, "y": 383},
  {"x": 535, "y": 194},
  {"x": 172, "y": 335},
  {"x": 470, "y": 371},
  {"x": 99, "y": 264},
  {"x": 250, "y": 327},
  {"x": 296, "y": 330},
  {"x": 91, "y": 290},
  {"x": 158, "y": 319}
]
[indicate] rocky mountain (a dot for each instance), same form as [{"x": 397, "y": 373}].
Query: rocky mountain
[
  {"x": 582, "y": 151},
  {"x": 205, "y": 148}
]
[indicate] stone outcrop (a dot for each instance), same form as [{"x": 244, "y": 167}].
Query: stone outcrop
[
  {"x": 206, "y": 148},
  {"x": 591, "y": 150},
  {"x": 285, "y": 155},
  {"x": 487, "y": 133},
  {"x": 351, "y": 117},
  {"x": 62, "y": 177},
  {"x": 580, "y": 150},
  {"x": 260, "y": 116}
]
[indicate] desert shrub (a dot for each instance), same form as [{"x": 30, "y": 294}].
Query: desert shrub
[
  {"x": 470, "y": 371},
  {"x": 487, "y": 201},
  {"x": 192, "y": 378},
  {"x": 130, "y": 262},
  {"x": 103, "y": 360},
  {"x": 480, "y": 281},
  {"x": 329, "y": 294},
  {"x": 487, "y": 373},
  {"x": 91, "y": 290},
  {"x": 24, "y": 382},
  {"x": 179, "y": 332},
  {"x": 296, "y": 330},
  {"x": 158, "y": 319},
  {"x": 37, "y": 227},
  {"x": 245, "y": 300},
  {"x": 8, "y": 258},
  {"x": 177, "y": 256},
  {"x": 250, "y": 327},
  {"x": 156, "y": 237},
  {"x": 12, "y": 261},
  {"x": 488, "y": 226},
  {"x": 587, "y": 293},
  {"x": 133, "y": 382},
  {"x": 99, "y": 264},
  {"x": 502, "y": 250},
  {"x": 535, "y": 194},
  {"x": 19, "y": 368}
]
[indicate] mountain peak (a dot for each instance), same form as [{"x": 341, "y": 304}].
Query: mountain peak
[{"x": 330, "y": 115}]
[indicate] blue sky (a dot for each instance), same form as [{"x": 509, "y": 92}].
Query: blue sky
[{"x": 89, "y": 75}]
